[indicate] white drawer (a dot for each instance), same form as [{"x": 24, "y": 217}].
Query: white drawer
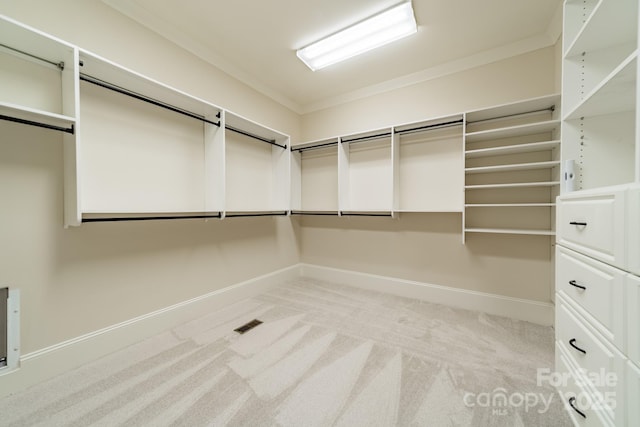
[
  {"x": 597, "y": 288},
  {"x": 593, "y": 224},
  {"x": 633, "y": 394},
  {"x": 633, "y": 317},
  {"x": 633, "y": 230},
  {"x": 595, "y": 360},
  {"x": 582, "y": 406}
]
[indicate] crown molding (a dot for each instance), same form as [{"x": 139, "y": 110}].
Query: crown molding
[{"x": 452, "y": 67}]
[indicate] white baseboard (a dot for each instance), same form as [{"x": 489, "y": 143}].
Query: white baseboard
[
  {"x": 532, "y": 311},
  {"x": 46, "y": 363}
]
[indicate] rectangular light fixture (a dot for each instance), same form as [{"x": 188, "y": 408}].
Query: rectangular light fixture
[{"x": 380, "y": 29}]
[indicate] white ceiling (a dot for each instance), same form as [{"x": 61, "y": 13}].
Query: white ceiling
[{"x": 255, "y": 41}]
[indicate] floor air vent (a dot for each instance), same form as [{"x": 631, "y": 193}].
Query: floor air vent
[{"x": 244, "y": 328}]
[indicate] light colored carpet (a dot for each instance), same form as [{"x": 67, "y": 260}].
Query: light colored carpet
[{"x": 325, "y": 355}]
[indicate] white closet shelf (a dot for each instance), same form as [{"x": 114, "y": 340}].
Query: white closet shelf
[
  {"x": 513, "y": 109},
  {"x": 32, "y": 42},
  {"x": 616, "y": 92},
  {"x": 511, "y": 131},
  {"x": 508, "y": 205},
  {"x": 513, "y": 167},
  {"x": 35, "y": 115},
  {"x": 513, "y": 149},
  {"x": 511, "y": 231},
  {"x": 598, "y": 32},
  {"x": 98, "y": 68},
  {"x": 513, "y": 185}
]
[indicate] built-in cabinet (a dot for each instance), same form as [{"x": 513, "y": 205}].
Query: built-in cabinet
[
  {"x": 598, "y": 231},
  {"x": 512, "y": 167}
]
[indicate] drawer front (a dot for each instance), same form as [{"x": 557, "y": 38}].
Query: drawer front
[
  {"x": 598, "y": 362},
  {"x": 633, "y": 230},
  {"x": 596, "y": 287},
  {"x": 580, "y": 404},
  {"x": 633, "y": 318},
  {"x": 633, "y": 394},
  {"x": 594, "y": 225}
]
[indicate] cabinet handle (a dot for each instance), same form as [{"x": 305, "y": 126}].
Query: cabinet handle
[
  {"x": 574, "y": 283},
  {"x": 571, "y": 403},
  {"x": 572, "y": 343},
  {"x": 583, "y": 224}
]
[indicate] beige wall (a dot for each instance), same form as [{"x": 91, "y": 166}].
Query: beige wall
[
  {"x": 523, "y": 76},
  {"x": 427, "y": 247},
  {"x": 75, "y": 281}
]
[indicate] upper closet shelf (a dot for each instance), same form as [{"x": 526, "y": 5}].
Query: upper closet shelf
[
  {"x": 239, "y": 124},
  {"x": 511, "y": 131},
  {"x": 102, "y": 72},
  {"x": 616, "y": 93},
  {"x": 610, "y": 23},
  {"x": 514, "y": 109},
  {"x": 28, "y": 42}
]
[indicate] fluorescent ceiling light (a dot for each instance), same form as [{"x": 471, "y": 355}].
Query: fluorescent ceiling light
[{"x": 388, "y": 26}]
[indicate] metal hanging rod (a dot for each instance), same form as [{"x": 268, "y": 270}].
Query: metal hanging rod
[
  {"x": 254, "y": 136},
  {"x": 552, "y": 109},
  {"x": 59, "y": 65},
  {"x": 70, "y": 130},
  {"x": 312, "y": 147},
  {"x": 343, "y": 213},
  {"x": 314, "y": 213},
  {"x": 140, "y": 97},
  {"x": 367, "y": 138},
  {"x": 241, "y": 215},
  {"x": 433, "y": 126},
  {"x": 149, "y": 218}
]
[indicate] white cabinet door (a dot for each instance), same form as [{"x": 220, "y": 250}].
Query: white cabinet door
[
  {"x": 633, "y": 229},
  {"x": 595, "y": 287},
  {"x": 633, "y": 318},
  {"x": 593, "y": 223}
]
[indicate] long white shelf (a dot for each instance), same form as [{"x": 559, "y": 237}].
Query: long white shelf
[
  {"x": 35, "y": 115},
  {"x": 511, "y": 131},
  {"x": 514, "y": 167},
  {"x": 508, "y": 205},
  {"x": 513, "y": 185},
  {"x": 616, "y": 92},
  {"x": 514, "y": 108},
  {"x": 510, "y": 231},
  {"x": 610, "y": 23},
  {"x": 513, "y": 149}
]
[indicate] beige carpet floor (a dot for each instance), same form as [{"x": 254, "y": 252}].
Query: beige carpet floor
[{"x": 326, "y": 355}]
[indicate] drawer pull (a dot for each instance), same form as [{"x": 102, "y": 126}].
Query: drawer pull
[
  {"x": 571, "y": 402},
  {"x": 583, "y": 224},
  {"x": 572, "y": 343},
  {"x": 574, "y": 283}
]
